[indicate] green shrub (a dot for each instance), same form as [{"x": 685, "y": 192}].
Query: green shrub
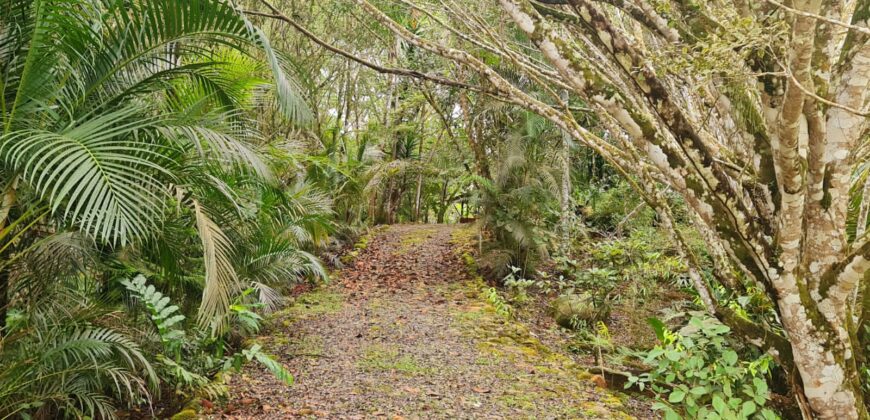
[
  {"x": 190, "y": 360},
  {"x": 61, "y": 361},
  {"x": 608, "y": 208},
  {"x": 598, "y": 283},
  {"x": 517, "y": 285},
  {"x": 498, "y": 303},
  {"x": 697, "y": 373}
]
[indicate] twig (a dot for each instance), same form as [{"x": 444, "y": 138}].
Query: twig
[
  {"x": 819, "y": 98},
  {"x": 277, "y": 14},
  {"x": 861, "y": 29},
  {"x": 294, "y": 355}
]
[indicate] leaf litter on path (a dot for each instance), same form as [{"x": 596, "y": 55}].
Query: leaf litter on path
[{"x": 403, "y": 333}]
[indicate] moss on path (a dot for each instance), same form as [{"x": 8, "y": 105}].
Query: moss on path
[{"x": 406, "y": 332}]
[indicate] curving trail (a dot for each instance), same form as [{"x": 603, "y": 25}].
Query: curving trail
[{"x": 405, "y": 332}]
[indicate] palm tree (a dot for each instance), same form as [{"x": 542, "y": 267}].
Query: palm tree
[
  {"x": 518, "y": 205},
  {"x": 122, "y": 129},
  {"x": 102, "y": 103}
]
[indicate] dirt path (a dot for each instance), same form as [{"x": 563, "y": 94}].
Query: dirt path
[{"x": 405, "y": 332}]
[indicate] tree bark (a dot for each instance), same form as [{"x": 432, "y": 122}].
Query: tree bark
[
  {"x": 861, "y": 224},
  {"x": 565, "y": 196}
]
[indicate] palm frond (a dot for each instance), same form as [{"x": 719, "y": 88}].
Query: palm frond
[
  {"x": 219, "y": 143},
  {"x": 220, "y": 275},
  {"x": 70, "y": 367},
  {"x": 287, "y": 91},
  {"x": 102, "y": 172}
]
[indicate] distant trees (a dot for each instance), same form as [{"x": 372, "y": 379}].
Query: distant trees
[{"x": 755, "y": 113}]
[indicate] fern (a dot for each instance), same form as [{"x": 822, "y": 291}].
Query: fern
[
  {"x": 602, "y": 331},
  {"x": 165, "y": 316},
  {"x": 269, "y": 363},
  {"x": 501, "y": 306}
]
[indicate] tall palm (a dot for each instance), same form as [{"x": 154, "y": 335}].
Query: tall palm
[{"x": 518, "y": 203}]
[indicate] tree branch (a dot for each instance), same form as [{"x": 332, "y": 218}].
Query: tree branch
[
  {"x": 641, "y": 12},
  {"x": 816, "y": 16},
  {"x": 378, "y": 68},
  {"x": 508, "y": 92},
  {"x": 717, "y": 199}
]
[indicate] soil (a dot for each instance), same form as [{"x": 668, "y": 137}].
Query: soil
[{"x": 407, "y": 330}]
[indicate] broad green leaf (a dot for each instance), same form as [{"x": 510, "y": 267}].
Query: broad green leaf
[
  {"x": 719, "y": 404},
  {"x": 658, "y": 326},
  {"x": 676, "y": 396},
  {"x": 730, "y": 357},
  {"x": 748, "y": 408}
]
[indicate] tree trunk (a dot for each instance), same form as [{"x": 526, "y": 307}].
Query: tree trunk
[
  {"x": 443, "y": 208},
  {"x": 566, "y": 213},
  {"x": 825, "y": 361},
  {"x": 865, "y": 209},
  {"x": 9, "y": 197},
  {"x": 417, "y": 197},
  {"x": 416, "y": 210},
  {"x": 474, "y": 139}
]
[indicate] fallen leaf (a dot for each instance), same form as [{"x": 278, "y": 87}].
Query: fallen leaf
[{"x": 599, "y": 381}]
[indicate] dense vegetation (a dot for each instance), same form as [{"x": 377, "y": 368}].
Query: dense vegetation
[{"x": 681, "y": 185}]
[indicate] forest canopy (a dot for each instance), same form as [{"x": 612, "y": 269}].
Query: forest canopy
[{"x": 176, "y": 174}]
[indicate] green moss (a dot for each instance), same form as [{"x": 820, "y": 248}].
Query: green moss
[
  {"x": 322, "y": 301},
  {"x": 521, "y": 401},
  {"x": 538, "y": 373},
  {"x": 381, "y": 358},
  {"x": 414, "y": 238},
  {"x": 361, "y": 244},
  {"x": 310, "y": 345},
  {"x": 188, "y": 414},
  {"x": 466, "y": 318},
  {"x": 375, "y": 304},
  {"x": 349, "y": 257},
  {"x": 485, "y": 361},
  {"x": 464, "y": 237}
]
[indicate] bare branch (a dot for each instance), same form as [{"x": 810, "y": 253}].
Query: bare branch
[
  {"x": 641, "y": 12},
  {"x": 380, "y": 69},
  {"x": 860, "y": 29}
]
